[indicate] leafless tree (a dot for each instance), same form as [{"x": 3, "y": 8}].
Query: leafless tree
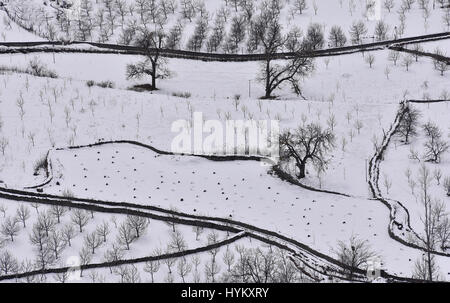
[
  {"x": 355, "y": 254},
  {"x": 314, "y": 38},
  {"x": 8, "y": 264},
  {"x": 80, "y": 218},
  {"x": 152, "y": 267},
  {"x": 10, "y": 227},
  {"x": 183, "y": 268},
  {"x": 103, "y": 230},
  {"x": 381, "y": 31},
  {"x": 357, "y": 32},
  {"x": 228, "y": 259},
  {"x": 236, "y": 35},
  {"x": 337, "y": 37},
  {"x": 440, "y": 64},
  {"x": 409, "y": 122},
  {"x": 3, "y": 144},
  {"x": 435, "y": 146},
  {"x": 37, "y": 236},
  {"x": 68, "y": 232},
  {"x": 23, "y": 214},
  {"x": 138, "y": 224},
  {"x": 155, "y": 66},
  {"x": 394, "y": 56},
  {"x": 426, "y": 267},
  {"x": 306, "y": 143},
  {"x": 58, "y": 211},
  {"x": 44, "y": 257},
  {"x": 56, "y": 243},
  {"x": 115, "y": 253},
  {"x": 407, "y": 61},
  {"x": 370, "y": 59},
  {"x": 126, "y": 235},
  {"x": 85, "y": 256},
  {"x": 177, "y": 242},
  {"x": 92, "y": 241}
]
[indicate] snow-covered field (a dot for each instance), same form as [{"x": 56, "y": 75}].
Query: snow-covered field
[{"x": 41, "y": 117}]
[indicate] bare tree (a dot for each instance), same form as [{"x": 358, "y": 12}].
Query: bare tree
[
  {"x": 394, "y": 56},
  {"x": 68, "y": 232},
  {"x": 439, "y": 63},
  {"x": 381, "y": 31},
  {"x": 37, "y": 236},
  {"x": 56, "y": 243},
  {"x": 337, "y": 37},
  {"x": 80, "y": 218},
  {"x": 177, "y": 242},
  {"x": 138, "y": 224},
  {"x": 8, "y": 264},
  {"x": 103, "y": 230},
  {"x": 126, "y": 235},
  {"x": 370, "y": 59},
  {"x": 183, "y": 268},
  {"x": 115, "y": 253},
  {"x": 152, "y": 267},
  {"x": 355, "y": 254},
  {"x": 267, "y": 36},
  {"x": 435, "y": 145},
  {"x": 426, "y": 268},
  {"x": 314, "y": 38},
  {"x": 151, "y": 42},
  {"x": 306, "y": 143},
  {"x": 58, "y": 211},
  {"x": 10, "y": 227},
  {"x": 92, "y": 241},
  {"x": 23, "y": 214},
  {"x": 85, "y": 255},
  {"x": 3, "y": 144},
  {"x": 409, "y": 122},
  {"x": 357, "y": 32},
  {"x": 407, "y": 61}
]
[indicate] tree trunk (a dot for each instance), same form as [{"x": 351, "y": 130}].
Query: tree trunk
[
  {"x": 268, "y": 91},
  {"x": 302, "y": 170},
  {"x": 153, "y": 75}
]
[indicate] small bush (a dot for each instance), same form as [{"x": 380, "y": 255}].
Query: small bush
[
  {"x": 185, "y": 95},
  {"x": 41, "y": 163},
  {"x": 67, "y": 193},
  {"x": 37, "y": 68},
  {"x": 103, "y": 84}
]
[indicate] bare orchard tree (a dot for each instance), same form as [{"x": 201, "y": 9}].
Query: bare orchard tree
[
  {"x": 337, "y": 37},
  {"x": 308, "y": 143},
  {"x": 10, "y": 227},
  {"x": 435, "y": 146},
  {"x": 23, "y": 214},
  {"x": 58, "y": 211},
  {"x": 68, "y": 233},
  {"x": 152, "y": 267},
  {"x": 8, "y": 264},
  {"x": 115, "y": 253},
  {"x": 103, "y": 230},
  {"x": 440, "y": 64},
  {"x": 126, "y": 235},
  {"x": 432, "y": 218},
  {"x": 268, "y": 37},
  {"x": 409, "y": 122},
  {"x": 155, "y": 66},
  {"x": 184, "y": 267},
  {"x": 56, "y": 243},
  {"x": 355, "y": 254},
  {"x": 138, "y": 224},
  {"x": 93, "y": 241},
  {"x": 80, "y": 218},
  {"x": 357, "y": 32}
]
